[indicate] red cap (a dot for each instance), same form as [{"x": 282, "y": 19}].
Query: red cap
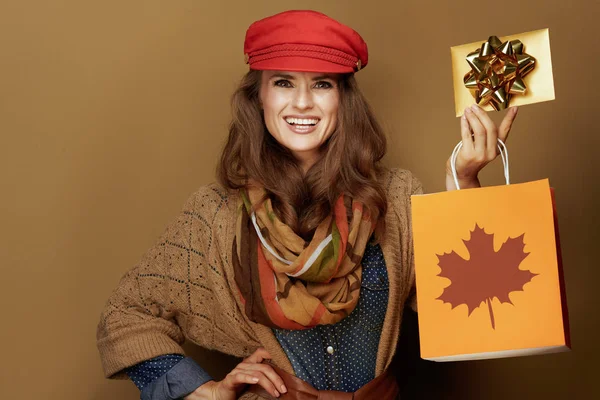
[{"x": 306, "y": 41}]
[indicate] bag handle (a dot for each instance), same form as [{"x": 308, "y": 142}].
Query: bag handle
[{"x": 503, "y": 154}]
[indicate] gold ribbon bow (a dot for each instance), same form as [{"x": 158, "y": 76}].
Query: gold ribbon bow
[{"x": 497, "y": 72}]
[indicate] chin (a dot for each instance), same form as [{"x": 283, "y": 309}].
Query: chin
[{"x": 302, "y": 146}]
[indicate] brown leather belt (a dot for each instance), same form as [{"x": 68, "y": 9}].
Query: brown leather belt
[{"x": 384, "y": 387}]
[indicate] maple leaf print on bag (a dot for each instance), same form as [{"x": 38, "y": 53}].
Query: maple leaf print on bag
[{"x": 486, "y": 274}]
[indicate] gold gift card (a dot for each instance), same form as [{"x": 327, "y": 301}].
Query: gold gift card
[{"x": 503, "y": 71}]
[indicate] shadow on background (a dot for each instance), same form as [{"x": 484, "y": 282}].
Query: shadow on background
[{"x": 418, "y": 378}]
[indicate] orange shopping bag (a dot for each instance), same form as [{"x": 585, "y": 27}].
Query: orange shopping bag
[{"x": 488, "y": 271}]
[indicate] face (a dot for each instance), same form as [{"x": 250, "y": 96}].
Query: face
[{"x": 300, "y": 110}]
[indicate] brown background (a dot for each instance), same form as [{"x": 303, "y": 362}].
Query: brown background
[{"x": 113, "y": 112}]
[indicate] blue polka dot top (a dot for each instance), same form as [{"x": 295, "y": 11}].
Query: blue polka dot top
[{"x": 342, "y": 356}]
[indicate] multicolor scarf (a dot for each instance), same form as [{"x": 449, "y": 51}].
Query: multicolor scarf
[{"x": 286, "y": 282}]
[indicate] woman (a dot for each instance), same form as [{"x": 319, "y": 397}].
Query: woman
[{"x": 300, "y": 259}]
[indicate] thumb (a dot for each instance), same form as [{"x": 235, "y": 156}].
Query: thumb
[{"x": 506, "y": 124}]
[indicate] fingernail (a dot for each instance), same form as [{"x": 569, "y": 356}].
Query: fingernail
[
  {"x": 276, "y": 393},
  {"x": 254, "y": 379},
  {"x": 283, "y": 389},
  {"x": 468, "y": 110},
  {"x": 474, "y": 107}
]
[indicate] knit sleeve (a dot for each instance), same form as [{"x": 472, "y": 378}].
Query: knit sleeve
[
  {"x": 401, "y": 186},
  {"x": 142, "y": 319},
  {"x": 416, "y": 189}
]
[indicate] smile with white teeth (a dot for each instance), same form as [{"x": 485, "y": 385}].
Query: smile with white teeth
[{"x": 301, "y": 121}]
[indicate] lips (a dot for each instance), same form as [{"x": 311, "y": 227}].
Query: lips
[{"x": 302, "y": 124}]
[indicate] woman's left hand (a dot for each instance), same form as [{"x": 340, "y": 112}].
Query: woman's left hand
[{"x": 479, "y": 145}]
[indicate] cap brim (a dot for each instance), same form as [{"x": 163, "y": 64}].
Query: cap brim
[{"x": 301, "y": 64}]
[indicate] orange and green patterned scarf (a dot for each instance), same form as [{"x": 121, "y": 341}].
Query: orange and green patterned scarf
[{"x": 288, "y": 283}]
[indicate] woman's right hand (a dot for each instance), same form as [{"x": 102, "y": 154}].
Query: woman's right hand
[{"x": 251, "y": 371}]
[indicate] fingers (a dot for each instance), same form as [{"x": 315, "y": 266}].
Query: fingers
[
  {"x": 237, "y": 378},
  {"x": 258, "y": 356},
  {"x": 261, "y": 374},
  {"x": 479, "y": 131},
  {"x": 269, "y": 373},
  {"x": 481, "y": 148},
  {"x": 506, "y": 123},
  {"x": 491, "y": 132},
  {"x": 268, "y": 379},
  {"x": 465, "y": 133}
]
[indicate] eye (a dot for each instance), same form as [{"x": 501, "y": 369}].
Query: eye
[
  {"x": 323, "y": 85},
  {"x": 283, "y": 83}
]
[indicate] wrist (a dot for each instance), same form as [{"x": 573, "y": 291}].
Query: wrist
[
  {"x": 206, "y": 391},
  {"x": 463, "y": 182},
  {"x": 469, "y": 183}
]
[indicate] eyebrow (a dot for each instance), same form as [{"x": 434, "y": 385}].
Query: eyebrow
[
  {"x": 291, "y": 77},
  {"x": 284, "y": 76},
  {"x": 325, "y": 76}
]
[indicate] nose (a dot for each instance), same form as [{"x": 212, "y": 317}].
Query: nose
[{"x": 303, "y": 98}]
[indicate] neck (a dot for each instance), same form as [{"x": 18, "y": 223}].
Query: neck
[{"x": 307, "y": 160}]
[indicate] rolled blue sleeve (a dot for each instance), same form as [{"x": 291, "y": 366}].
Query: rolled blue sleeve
[{"x": 168, "y": 377}]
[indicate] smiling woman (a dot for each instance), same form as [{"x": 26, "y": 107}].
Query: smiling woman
[
  {"x": 300, "y": 151},
  {"x": 300, "y": 258},
  {"x": 300, "y": 111}
]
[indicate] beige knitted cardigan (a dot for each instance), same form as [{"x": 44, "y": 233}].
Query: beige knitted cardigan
[{"x": 184, "y": 286}]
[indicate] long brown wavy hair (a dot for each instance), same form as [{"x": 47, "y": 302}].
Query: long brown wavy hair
[{"x": 349, "y": 161}]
